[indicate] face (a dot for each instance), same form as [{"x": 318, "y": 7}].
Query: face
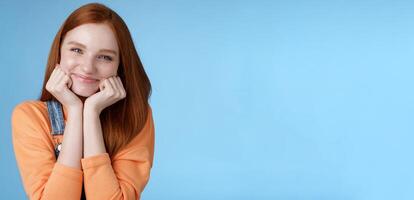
[{"x": 89, "y": 54}]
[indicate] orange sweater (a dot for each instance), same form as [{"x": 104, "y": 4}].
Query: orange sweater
[{"x": 123, "y": 176}]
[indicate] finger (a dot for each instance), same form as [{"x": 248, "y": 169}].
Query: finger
[
  {"x": 55, "y": 76},
  {"x": 52, "y": 76},
  {"x": 56, "y": 69},
  {"x": 101, "y": 84},
  {"x": 107, "y": 85},
  {"x": 69, "y": 81},
  {"x": 59, "y": 76},
  {"x": 113, "y": 85},
  {"x": 118, "y": 85},
  {"x": 114, "y": 82},
  {"x": 64, "y": 81},
  {"x": 119, "y": 82},
  {"x": 121, "y": 87}
]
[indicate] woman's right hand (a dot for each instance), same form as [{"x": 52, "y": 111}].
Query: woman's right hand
[{"x": 59, "y": 85}]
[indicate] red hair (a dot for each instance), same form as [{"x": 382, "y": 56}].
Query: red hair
[{"x": 122, "y": 121}]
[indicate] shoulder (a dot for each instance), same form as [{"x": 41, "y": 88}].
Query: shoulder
[
  {"x": 30, "y": 114},
  {"x": 33, "y": 104},
  {"x": 30, "y": 108}
]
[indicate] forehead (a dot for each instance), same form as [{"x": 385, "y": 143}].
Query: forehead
[{"x": 93, "y": 36}]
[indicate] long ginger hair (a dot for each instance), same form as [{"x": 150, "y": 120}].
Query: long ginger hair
[{"x": 122, "y": 121}]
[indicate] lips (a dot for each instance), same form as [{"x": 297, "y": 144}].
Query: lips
[{"x": 85, "y": 79}]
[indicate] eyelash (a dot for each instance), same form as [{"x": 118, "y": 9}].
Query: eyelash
[
  {"x": 108, "y": 58},
  {"x": 77, "y": 50}
]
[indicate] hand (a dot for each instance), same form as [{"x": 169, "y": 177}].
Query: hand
[
  {"x": 111, "y": 91},
  {"x": 58, "y": 85}
]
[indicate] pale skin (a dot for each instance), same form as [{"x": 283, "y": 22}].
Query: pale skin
[{"x": 85, "y": 83}]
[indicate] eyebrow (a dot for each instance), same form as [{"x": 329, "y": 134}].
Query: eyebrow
[{"x": 101, "y": 50}]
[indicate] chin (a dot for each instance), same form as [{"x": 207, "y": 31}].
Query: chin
[{"x": 83, "y": 92}]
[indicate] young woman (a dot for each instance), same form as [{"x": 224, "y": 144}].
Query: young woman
[{"x": 91, "y": 134}]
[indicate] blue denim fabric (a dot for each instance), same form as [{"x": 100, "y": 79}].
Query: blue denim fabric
[
  {"x": 58, "y": 127},
  {"x": 56, "y": 120}
]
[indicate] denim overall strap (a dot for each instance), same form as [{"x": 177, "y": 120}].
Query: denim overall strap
[
  {"x": 56, "y": 120},
  {"x": 58, "y": 127}
]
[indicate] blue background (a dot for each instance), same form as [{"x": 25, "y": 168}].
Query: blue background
[{"x": 251, "y": 99}]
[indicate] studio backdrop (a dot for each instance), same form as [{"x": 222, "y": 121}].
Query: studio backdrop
[{"x": 251, "y": 99}]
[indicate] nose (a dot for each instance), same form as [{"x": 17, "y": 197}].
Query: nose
[{"x": 88, "y": 65}]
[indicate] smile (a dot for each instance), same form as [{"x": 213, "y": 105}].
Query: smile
[{"x": 85, "y": 79}]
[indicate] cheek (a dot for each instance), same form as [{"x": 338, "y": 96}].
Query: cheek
[
  {"x": 68, "y": 62},
  {"x": 108, "y": 70}
]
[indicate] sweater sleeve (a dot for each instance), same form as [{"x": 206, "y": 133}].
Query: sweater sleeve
[
  {"x": 126, "y": 175},
  {"x": 42, "y": 177}
]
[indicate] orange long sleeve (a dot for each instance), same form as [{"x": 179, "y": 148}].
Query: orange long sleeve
[
  {"x": 122, "y": 177},
  {"x": 126, "y": 175}
]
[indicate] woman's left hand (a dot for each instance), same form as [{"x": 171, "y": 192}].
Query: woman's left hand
[{"x": 111, "y": 91}]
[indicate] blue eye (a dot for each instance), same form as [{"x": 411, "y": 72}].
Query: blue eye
[
  {"x": 108, "y": 58},
  {"x": 77, "y": 50}
]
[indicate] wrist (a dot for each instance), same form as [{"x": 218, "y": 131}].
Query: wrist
[
  {"x": 75, "y": 111},
  {"x": 75, "y": 108},
  {"x": 90, "y": 110}
]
